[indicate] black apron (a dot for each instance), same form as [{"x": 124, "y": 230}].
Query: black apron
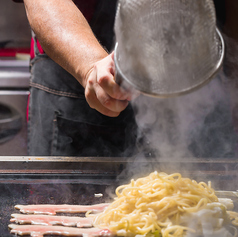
[{"x": 61, "y": 123}]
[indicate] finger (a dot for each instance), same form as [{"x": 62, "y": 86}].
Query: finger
[
  {"x": 107, "y": 82},
  {"x": 94, "y": 103},
  {"x": 112, "y": 69},
  {"x": 109, "y": 102}
]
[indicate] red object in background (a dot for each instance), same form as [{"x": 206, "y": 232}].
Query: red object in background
[
  {"x": 27, "y": 108},
  {"x": 11, "y": 52},
  {"x": 32, "y": 50}
]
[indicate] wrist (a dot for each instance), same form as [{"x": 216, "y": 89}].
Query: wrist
[{"x": 84, "y": 70}]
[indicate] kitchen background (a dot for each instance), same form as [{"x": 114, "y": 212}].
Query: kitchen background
[
  {"x": 15, "y": 39},
  {"x": 14, "y": 26}
]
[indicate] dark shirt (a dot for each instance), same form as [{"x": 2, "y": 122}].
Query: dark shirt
[{"x": 86, "y": 7}]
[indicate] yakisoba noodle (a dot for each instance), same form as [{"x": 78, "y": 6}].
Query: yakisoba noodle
[{"x": 155, "y": 204}]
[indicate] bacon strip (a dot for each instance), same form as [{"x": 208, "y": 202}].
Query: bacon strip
[
  {"x": 64, "y": 208},
  {"x": 52, "y": 220},
  {"x": 40, "y": 231}
]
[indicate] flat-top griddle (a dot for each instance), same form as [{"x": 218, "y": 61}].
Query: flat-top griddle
[{"x": 76, "y": 180}]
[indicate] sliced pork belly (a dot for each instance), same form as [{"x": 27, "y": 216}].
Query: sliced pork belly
[
  {"x": 64, "y": 208},
  {"x": 52, "y": 220},
  {"x": 40, "y": 231}
]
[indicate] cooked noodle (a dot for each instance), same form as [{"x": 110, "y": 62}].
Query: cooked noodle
[{"x": 155, "y": 204}]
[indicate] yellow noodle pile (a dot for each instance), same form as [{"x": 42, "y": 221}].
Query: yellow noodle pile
[{"x": 154, "y": 204}]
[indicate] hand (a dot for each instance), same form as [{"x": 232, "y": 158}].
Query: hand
[{"x": 102, "y": 92}]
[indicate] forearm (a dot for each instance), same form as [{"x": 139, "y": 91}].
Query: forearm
[{"x": 65, "y": 35}]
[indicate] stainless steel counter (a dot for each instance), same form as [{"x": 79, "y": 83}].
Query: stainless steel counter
[{"x": 14, "y": 73}]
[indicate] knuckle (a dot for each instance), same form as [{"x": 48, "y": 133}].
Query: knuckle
[
  {"x": 102, "y": 80},
  {"x": 96, "y": 66},
  {"x": 106, "y": 102},
  {"x": 90, "y": 81}
]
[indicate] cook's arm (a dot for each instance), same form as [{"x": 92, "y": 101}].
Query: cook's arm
[{"x": 68, "y": 39}]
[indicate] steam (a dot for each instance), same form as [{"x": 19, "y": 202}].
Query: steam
[
  {"x": 201, "y": 124},
  {"x": 198, "y": 124}
]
